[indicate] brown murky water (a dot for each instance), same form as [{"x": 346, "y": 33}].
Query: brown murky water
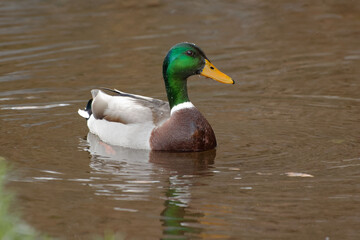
[{"x": 288, "y": 161}]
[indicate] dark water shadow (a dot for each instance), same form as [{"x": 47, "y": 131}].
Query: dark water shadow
[{"x": 176, "y": 172}]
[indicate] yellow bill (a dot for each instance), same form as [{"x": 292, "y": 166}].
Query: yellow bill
[{"x": 211, "y": 71}]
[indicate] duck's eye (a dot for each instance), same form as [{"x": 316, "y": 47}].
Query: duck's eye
[{"x": 190, "y": 53}]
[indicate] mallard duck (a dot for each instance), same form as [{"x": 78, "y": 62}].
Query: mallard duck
[{"x": 140, "y": 122}]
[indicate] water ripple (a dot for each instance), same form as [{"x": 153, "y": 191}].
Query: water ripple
[{"x": 36, "y": 107}]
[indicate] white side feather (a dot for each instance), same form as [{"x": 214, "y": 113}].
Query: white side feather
[{"x": 135, "y": 135}]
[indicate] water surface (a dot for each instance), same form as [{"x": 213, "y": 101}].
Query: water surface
[{"x": 288, "y": 161}]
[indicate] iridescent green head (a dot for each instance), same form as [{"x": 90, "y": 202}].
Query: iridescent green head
[{"x": 182, "y": 61}]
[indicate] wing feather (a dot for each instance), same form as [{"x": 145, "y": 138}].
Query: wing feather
[{"x": 128, "y": 108}]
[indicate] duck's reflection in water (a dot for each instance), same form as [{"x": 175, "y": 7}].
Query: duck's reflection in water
[
  {"x": 183, "y": 168},
  {"x": 132, "y": 175}
]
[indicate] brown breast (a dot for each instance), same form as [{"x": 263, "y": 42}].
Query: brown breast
[{"x": 186, "y": 130}]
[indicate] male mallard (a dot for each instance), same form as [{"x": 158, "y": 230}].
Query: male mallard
[{"x": 141, "y": 122}]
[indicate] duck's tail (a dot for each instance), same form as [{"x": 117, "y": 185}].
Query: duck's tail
[{"x": 86, "y": 113}]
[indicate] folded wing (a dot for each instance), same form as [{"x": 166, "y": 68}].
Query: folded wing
[{"x": 128, "y": 108}]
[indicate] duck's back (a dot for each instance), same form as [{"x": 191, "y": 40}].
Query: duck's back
[{"x": 186, "y": 130}]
